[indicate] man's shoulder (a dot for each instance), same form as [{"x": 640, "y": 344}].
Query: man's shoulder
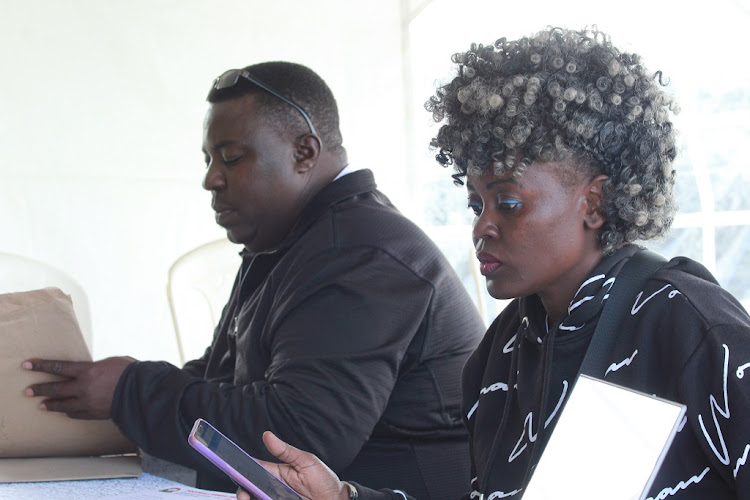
[{"x": 370, "y": 220}]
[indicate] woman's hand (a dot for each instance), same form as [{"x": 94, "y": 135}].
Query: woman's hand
[{"x": 302, "y": 471}]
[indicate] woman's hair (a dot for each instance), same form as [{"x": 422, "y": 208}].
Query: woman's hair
[{"x": 565, "y": 95}]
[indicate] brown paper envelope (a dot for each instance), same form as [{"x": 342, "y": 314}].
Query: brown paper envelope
[{"x": 42, "y": 324}]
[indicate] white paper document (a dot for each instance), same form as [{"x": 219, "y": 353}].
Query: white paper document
[{"x": 608, "y": 443}]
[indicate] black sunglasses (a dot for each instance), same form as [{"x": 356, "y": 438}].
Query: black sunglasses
[{"x": 231, "y": 77}]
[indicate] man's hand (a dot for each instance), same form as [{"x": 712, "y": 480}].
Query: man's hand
[
  {"x": 86, "y": 390},
  {"x": 303, "y": 471}
]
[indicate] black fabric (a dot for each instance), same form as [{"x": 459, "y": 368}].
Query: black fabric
[
  {"x": 684, "y": 339},
  {"x": 347, "y": 342},
  {"x": 636, "y": 271}
]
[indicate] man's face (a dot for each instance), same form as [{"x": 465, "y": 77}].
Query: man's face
[
  {"x": 256, "y": 190},
  {"x": 530, "y": 233}
]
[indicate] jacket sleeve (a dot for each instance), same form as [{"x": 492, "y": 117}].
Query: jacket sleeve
[
  {"x": 336, "y": 337},
  {"x": 197, "y": 367},
  {"x": 365, "y": 493},
  {"x": 716, "y": 388}
]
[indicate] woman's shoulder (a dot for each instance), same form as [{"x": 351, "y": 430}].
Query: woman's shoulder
[{"x": 686, "y": 287}]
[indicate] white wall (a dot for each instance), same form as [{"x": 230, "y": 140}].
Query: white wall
[{"x": 101, "y": 109}]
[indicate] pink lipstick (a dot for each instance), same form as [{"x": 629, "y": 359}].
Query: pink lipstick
[{"x": 487, "y": 263}]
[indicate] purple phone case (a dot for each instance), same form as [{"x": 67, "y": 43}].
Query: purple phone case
[{"x": 241, "y": 480}]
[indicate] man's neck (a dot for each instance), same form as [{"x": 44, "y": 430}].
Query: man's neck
[{"x": 348, "y": 169}]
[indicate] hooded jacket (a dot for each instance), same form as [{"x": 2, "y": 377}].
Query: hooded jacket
[{"x": 685, "y": 339}]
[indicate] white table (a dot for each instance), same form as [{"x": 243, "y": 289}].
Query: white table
[{"x": 83, "y": 490}]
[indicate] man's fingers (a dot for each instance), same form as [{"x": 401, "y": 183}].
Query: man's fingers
[
  {"x": 287, "y": 453},
  {"x": 69, "y": 406},
  {"x": 277, "y": 447},
  {"x": 57, "y": 389},
  {"x": 56, "y": 367},
  {"x": 79, "y": 415},
  {"x": 50, "y": 389}
]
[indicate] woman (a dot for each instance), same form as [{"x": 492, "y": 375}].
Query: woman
[{"x": 566, "y": 146}]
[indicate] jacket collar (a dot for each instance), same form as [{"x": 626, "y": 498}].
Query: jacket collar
[
  {"x": 348, "y": 186},
  {"x": 586, "y": 305}
]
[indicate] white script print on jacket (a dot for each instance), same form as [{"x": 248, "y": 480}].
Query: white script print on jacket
[{"x": 684, "y": 339}]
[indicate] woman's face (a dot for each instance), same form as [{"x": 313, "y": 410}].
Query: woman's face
[{"x": 537, "y": 233}]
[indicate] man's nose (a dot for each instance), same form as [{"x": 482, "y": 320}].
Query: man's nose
[{"x": 214, "y": 178}]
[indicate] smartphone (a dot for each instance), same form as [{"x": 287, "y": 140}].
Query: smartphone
[{"x": 238, "y": 465}]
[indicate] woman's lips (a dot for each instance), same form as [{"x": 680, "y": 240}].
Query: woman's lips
[{"x": 487, "y": 263}]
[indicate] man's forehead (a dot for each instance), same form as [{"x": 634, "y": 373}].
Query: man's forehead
[
  {"x": 245, "y": 105},
  {"x": 231, "y": 114}
]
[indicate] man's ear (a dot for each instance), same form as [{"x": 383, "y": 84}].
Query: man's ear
[
  {"x": 594, "y": 217},
  {"x": 307, "y": 152}
]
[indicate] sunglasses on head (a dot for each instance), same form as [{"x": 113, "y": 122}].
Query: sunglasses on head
[{"x": 230, "y": 78}]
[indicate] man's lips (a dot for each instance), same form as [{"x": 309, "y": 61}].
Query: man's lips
[
  {"x": 223, "y": 213},
  {"x": 487, "y": 263}
]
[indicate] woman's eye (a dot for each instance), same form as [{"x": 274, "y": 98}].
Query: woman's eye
[
  {"x": 508, "y": 205},
  {"x": 475, "y": 207}
]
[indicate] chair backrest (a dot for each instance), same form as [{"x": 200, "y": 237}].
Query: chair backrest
[
  {"x": 198, "y": 287},
  {"x": 21, "y": 274}
]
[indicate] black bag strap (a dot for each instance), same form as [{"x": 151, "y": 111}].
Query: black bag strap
[{"x": 633, "y": 275}]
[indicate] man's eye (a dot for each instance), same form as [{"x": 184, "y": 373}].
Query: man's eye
[
  {"x": 231, "y": 161},
  {"x": 475, "y": 207}
]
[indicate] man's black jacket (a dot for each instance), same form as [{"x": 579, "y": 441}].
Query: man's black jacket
[{"x": 347, "y": 342}]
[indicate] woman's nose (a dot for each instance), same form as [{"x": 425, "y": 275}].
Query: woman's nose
[{"x": 484, "y": 227}]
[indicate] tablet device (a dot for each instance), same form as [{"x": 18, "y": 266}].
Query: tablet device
[{"x": 608, "y": 443}]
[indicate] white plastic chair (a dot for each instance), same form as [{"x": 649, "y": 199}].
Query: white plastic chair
[
  {"x": 21, "y": 274},
  {"x": 198, "y": 288}
]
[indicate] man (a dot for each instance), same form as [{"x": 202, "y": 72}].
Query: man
[{"x": 346, "y": 329}]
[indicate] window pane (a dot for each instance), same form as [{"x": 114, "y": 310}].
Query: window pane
[
  {"x": 728, "y": 163},
  {"x": 686, "y": 186},
  {"x": 686, "y": 241},
  {"x": 732, "y": 243},
  {"x": 445, "y": 203}
]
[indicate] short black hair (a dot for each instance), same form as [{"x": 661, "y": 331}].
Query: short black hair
[{"x": 298, "y": 83}]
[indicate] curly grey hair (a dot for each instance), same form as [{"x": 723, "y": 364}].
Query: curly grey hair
[{"x": 563, "y": 94}]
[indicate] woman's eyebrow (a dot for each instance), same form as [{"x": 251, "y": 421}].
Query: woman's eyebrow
[{"x": 512, "y": 180}]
